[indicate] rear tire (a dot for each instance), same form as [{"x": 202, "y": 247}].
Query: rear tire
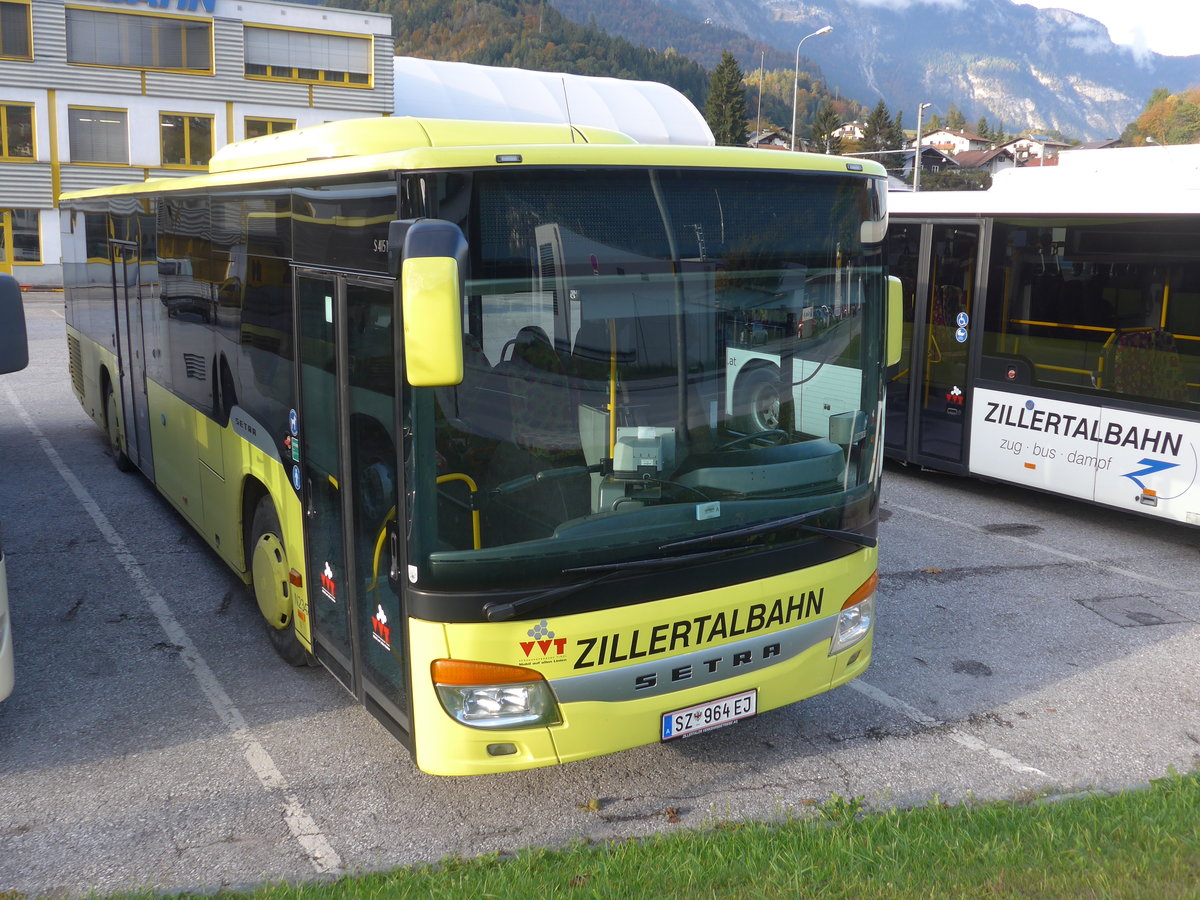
[
  {"x": 116, "y": 436},
  {"x": 270, "y": 584}
]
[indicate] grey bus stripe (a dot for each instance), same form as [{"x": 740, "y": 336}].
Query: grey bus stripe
[{"x": 618, "y": 685}]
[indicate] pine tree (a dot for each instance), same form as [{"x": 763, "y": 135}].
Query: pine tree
[
  {"x": 725, "y": 107},
  {"x": 824, "y": 125},
  {"x": 897, "y": 138},
  {"x": 878, "y": 129},
  {"x": 983, "y": 129}
]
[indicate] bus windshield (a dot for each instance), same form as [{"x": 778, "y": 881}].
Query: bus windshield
[{"x": 651, "y": 357}]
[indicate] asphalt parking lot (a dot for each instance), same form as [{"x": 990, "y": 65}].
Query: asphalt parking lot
[{"x": 1025, "y": 645}]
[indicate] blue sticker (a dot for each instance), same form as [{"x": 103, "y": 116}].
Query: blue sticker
[
  {"x": 961, "y": 335},
  {"x": 296, "y": 477},
  {"x": 963, "y": 320},
  {"x": 293, "y": 423}
]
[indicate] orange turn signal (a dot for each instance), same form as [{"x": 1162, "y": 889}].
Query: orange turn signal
[
  {"x": 865, "y": 590},
  {"x": 466, "y": 672}
]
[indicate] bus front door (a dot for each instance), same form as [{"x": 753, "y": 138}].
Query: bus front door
[
  {"x": 933, "y": 387},
  {"x": 346, "y": 429}
]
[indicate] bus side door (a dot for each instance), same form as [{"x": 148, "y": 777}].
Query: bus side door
[{"x": 346, "y": 422}]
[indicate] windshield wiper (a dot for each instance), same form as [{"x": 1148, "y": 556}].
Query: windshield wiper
[
  {"x": 501, "y": 611},
  {"x": 799, "y": 522}
]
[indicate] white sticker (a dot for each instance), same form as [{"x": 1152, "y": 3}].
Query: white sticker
[
  {"x": 412, "y": 574},
  {"x": 329, "y": 310},
  {"x": 708, "y": 510}
]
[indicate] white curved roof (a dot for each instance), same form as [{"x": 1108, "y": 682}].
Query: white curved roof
[
  {"x": 1128, "y": 181},
  {"x": 647, "y": 111}
]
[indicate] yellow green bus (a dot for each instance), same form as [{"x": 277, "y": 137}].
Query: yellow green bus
[{"x": 450, "y": 397}]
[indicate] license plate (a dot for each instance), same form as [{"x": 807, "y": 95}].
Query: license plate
[{"x": 710, "y": 715}]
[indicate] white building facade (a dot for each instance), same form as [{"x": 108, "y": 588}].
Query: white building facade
[{"x": 97, "y": 92}]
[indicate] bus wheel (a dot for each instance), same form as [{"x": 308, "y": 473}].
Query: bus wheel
[
  {"x": 758, "y": 401},
  {"x": 269, "y": 580},
  {"x": 112, "y": 424}
]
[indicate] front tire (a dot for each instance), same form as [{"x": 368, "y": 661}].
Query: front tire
[{"x": 270, "y": 584}]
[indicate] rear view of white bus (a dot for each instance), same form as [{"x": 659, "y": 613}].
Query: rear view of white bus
[{"x": 14, "y": 356}]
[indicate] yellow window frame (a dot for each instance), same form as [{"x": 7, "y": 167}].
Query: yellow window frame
[
  {"x": 187, "y": 140},
  {"x": 28, "y": 4},
  {"x": 270, "y": 123},
  {"x": 124, "y": 22},
  {"x": 319, "y": 76},
  {"x": 6, "y": 153}
]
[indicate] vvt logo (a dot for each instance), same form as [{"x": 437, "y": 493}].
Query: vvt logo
[
  {"x": 544, "y": 640},
  {"x": 1152, "y": 467}
]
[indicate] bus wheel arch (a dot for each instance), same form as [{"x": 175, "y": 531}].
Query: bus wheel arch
[
  {"x": 113, "y": 426},
  {"x": 270, "y": 583},
  {"x": 756, "y": 401}
]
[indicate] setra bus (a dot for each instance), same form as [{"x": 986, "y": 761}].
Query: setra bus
[
  {"x": 449, "y": 397},
  {"x": 1052, "y": 329}
]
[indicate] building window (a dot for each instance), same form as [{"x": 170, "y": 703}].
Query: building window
[
  {"x": 98, "y": 135},
  {"x": 133, "y": 41},
  {"x": 27, "y": 242},
  {"x": 282, "y": 54},
  {"x": 185, "y": 140},
  {"x": 259, "y": 127},
  {"x": 16, "y": 131},
  {"x": 16, "y": 30}
]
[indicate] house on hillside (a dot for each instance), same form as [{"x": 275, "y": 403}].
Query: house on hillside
[
  {"x": 991, "y": 160},
  {"x": 851, "y": 131},
  {"x": 954, "y": 142},
  {"x": 772, "y": 139},
  {"x": 1036, "y": 150}
]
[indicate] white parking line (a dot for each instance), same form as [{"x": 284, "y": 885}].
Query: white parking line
[
  {"x": 1053, "y": 551},
  {"x": 961, "y": 737},
  {"x": 302, "y": 826}
]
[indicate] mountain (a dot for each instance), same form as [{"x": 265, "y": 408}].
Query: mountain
[{"x": 1019, "y": 67}]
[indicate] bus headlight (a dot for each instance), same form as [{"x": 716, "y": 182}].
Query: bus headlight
[
  {"x": 488, "y": 695},
  {"x": 856, "y": 618}
]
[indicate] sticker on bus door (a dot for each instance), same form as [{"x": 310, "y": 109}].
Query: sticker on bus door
[{"x": 328, "y": 585}]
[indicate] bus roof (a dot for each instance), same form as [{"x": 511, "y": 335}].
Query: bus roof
[
  {"x": 1125, "y": 181},
  {"x": 343, "y": 149}
]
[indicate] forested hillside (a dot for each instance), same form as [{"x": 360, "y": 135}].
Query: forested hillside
[
  {"x": 532, "y": 34},
  {"x": 528, "y": 34}
]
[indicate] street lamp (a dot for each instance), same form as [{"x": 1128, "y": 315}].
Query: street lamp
[
  {"x": 796, "y": 79},
  {"x": 917, "y": 152}
]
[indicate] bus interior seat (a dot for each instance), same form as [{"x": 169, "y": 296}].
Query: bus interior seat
[
  {"x": 1145, "y": 362},
  {"x": 543, "y": 410}
]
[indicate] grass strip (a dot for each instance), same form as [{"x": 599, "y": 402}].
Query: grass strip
[{"x": 1136, "y": 844}]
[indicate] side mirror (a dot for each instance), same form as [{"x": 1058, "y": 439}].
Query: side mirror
[
  {"x": 432, "y": 266},
  {"x": 14, "y": 345},
  {"x": 895, "y": 320}
]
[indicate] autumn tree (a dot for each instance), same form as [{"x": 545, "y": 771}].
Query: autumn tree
[
  {"x": 725, "y": 107},
  {"x": 955, "y": 120}
]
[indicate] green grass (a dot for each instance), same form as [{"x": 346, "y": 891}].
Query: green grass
[{"x": 1139, "y": 844}]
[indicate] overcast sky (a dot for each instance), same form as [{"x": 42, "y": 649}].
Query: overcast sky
[{"x": 1170, "y": 27}]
